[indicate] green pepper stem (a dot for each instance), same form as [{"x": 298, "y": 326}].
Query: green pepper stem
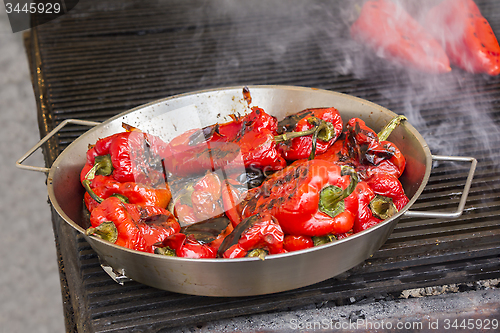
[
  {"x": 292, "y": 135},
  {"x": 325, "y": 131},
  {"x": 331, "y": 198},
  {"x": 387, "y": 130},
  {"x": 86, "y": 182},
  {"x": 382, "y": 207},
  {"x": 260, "y": 253},
  {"x": 86, "y": 185},
  {"x": 106, "y": 230},
  {"x": 320, "y": 240},
  {"x": 165, "y": 251}
]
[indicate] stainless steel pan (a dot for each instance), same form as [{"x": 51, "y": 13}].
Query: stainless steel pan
[{"x": 249, "y": 276}]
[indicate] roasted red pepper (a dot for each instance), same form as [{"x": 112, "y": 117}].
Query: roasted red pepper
[
  {"x": 312, "y": 198},
  {"x": 232, "y": 197},
  {"x": 363, "y": 145},
  {"x": 134, "y": 193},
  {"x": 132, "y": 226},
  {"x": 301, "y": 147},
  {"x": 388, "y": 186},
  {"x": 199, "y": 150},
  {"x": 199, "y": 240},
  {"x": 132, "y": 156},
  {"x": 191, "y": 153},
  {"x": 393, "y": 33},
  {"x": 364, "y": 217},
  {"x": 466, "y": 35},
  {"x": 199, "y": 200},
  {"x": 392, "y": 161},
  {"x": 295, "y": 243},
  {"x": 256, "y": 236}
]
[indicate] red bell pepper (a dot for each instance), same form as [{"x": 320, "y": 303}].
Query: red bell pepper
[
  {"x": 312, "y": 198},
  {"x": 199, "y": 199},
  {"x": 394, "y": 162},
  {"x": 388, "y": 186},
  {"x": 134, "y": 193},
  {"x": 256, "y": 236},
  {"x": 466, "y": 36},
  {"x": 295, "y": 243},
  {"x": 180, "y": 245},
  {"x": 302, "y": 147},
  {"x": 363, "y": 145},
  {"x": 197, "y": 151},
  {"x": 131, "y": 226},
  {"x": 132, "y": 156},
  {"x": 393, "y": 33},
  {"x": 186, "y": 156},
  {"x": 364, "y": 217},
  {"x": 199, "y": 240}
]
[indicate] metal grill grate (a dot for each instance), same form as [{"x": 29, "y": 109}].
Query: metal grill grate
[{"x": 105, "y": 57}]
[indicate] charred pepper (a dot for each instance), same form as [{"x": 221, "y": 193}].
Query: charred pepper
[
  {"x": 132, "y": 226},
  {"x": 306, "y": 120},
  {"x": 256, "y": 236},
  {"x": 132, "y": 156},
  {"x": 312, "y": 198}
]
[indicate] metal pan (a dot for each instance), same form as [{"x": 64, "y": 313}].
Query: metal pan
[{"x": 171, "y": 116}]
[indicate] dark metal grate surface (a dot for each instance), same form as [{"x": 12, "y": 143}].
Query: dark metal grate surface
[{"x": 105, "y": 57}]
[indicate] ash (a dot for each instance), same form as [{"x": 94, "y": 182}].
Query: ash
[{"x": 479, "y": 299}]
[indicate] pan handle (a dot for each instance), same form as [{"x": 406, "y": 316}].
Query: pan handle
[
  {"x": 45, "y": 139},
  {"x": 465, "y": 193}
]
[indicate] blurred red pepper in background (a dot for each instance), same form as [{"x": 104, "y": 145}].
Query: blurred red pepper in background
[
  {"x": 391, "y": 32},
  {"x": 466, "y": 36}
]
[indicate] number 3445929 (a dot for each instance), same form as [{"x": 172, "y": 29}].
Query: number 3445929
[
  {"x": 41, "y": 8},
  {"x": 478, "y": 324}
]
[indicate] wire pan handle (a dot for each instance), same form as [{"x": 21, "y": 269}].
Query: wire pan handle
[
  {"x": 45, "y": 139},
  {"x": 465, "y": 193}
]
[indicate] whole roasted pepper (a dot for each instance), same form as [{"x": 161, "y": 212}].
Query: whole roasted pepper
[
  {"x": 134, "y": 193},
  {"x": 180, "y": 245},
  {"x": 394, "y": 163},
  {"x": 393, "y": 33},
  {"x": 131, "y": 156},
  {"x": 363, "y": 145},
  {"x": 302, "y": 147},
  {"x": 466, "y": 36},
  {"x": 312, "y": 198},
  {"x": 390, "y": 187},
  {"x": 256, "y": 236},
  {"x": 132, "y": 226},
  {"x": 188, "y": 155},
  {"x": 199, "y": 240}
]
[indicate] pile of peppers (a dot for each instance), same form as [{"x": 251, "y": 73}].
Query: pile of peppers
[{"x": 251, "y": 187}]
